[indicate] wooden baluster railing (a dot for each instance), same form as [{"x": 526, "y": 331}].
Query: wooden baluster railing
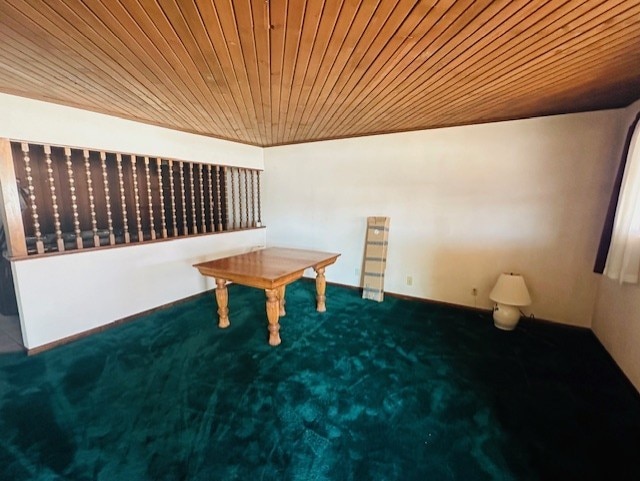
[
  {"x": 228, "y": 197},
  {"x": 147, "y": 173},
  {"x": 11, "y": 204},
  {"x": 235, "y": 199},
  {"x": 240, "y": 199},
  {"x": 259, "y": 224},
  {"x": 136, "y": 197},
  {"x": 247, "y": 197},
  {"x": 107, "y": 197},
  {"x": 185, "y": 224},
  {"x": 163, "y": 219},
  {"x": 123, "y": 200},
  {"x": 192, "y": 190},
  {"x": 54, "y": 199},
  {"x": 32, "y": 199},
  {"x": 253, "y": 197},
  {"x": 238, "y": 188},
  {"x": 212, "y": 225},
  {"x": 203, "y": 217},
  {"x": 219, "y": 198},
  {"x": 74, "y": 198},
  {"x": 92, "y": 205},
  {"x": 232, "y": 194},
  {"x": 172, "y": 193},
  {"x": 241, "y": 206},
  {"x": 228, "y": 183}
]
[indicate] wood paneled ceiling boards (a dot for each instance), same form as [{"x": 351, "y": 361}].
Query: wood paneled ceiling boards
[{"x": 269, "y": 72}]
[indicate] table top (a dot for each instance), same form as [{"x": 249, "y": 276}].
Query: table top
[{"x": 266, "y": 268}]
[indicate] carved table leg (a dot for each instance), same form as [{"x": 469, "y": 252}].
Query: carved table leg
[
  {"x": 281, "y": 290},
  {"x": 222, "y": 297},
  {"x": 273, "y": 310},
  {"x": 320, "y": 289}
]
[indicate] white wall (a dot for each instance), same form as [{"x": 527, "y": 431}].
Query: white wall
[
  {"x": 63, "y": 295},
  {"x": 465, "y": 203},
  {"x": 616, "y": 320},
  {"x": 60, "y": 296},
  {"x": 32, "y": 120}
]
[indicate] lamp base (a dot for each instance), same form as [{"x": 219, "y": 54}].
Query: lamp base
[{"x": 506, "y": 317}]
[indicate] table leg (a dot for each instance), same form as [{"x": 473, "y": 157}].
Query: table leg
[
  {"x": 273, "y": 314},
  {"x": 222, "y": 298},
  {"x": 281, "y": 290},
  {"x": 321, "y": 285}
]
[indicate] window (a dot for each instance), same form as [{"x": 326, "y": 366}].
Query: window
[{"x": 623, "y": 260}]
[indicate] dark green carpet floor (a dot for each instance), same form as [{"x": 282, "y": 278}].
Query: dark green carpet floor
[{"x": 393, "y": 391}]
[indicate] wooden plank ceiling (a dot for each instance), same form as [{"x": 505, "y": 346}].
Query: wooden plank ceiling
[{"x": 268, "y": 72}]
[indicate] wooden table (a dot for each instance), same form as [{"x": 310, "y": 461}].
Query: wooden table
[{"x": 270, "y": 269}]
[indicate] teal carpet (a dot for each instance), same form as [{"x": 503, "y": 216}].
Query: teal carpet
[{"x": 393, "y": 391}]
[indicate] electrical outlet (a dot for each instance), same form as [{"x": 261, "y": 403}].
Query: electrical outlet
[
  {"x": 357, "y": 271},
  {"x": 409, "y": 280},
  {"x": 474, "y": 292}
]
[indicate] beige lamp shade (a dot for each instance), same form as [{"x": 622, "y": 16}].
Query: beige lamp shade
[{"x": 510, "y": 290}]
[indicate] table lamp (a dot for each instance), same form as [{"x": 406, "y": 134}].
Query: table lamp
[{"x": 510, "y": 293}]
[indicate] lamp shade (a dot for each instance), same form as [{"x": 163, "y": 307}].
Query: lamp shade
[{"x": 510, "y": 290}]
